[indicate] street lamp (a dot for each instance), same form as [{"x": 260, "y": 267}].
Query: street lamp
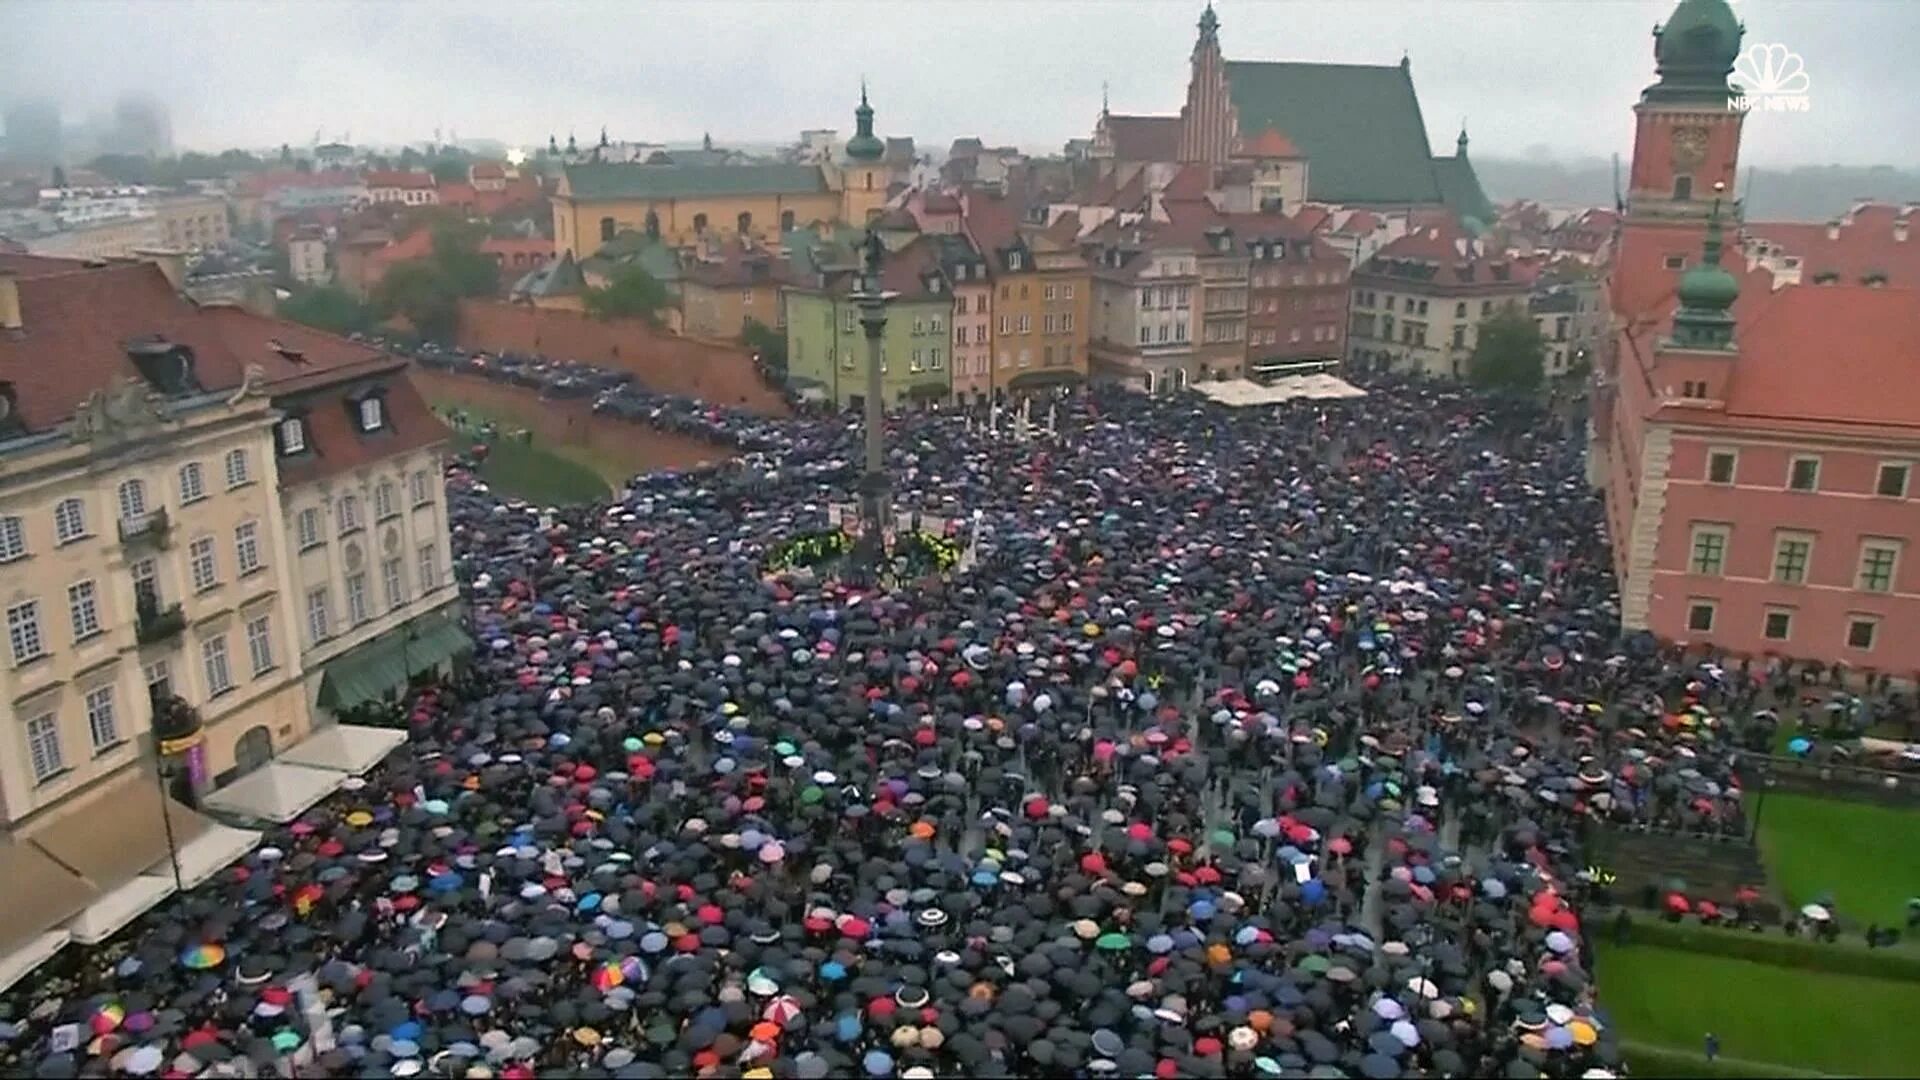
[{"x": 875, "y": 508}]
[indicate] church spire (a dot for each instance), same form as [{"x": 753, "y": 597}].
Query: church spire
[
  {"x": 864, "y": 146},
  {"x": 1460, "y": 144},
  {"x": 1707, "y": 293},
  {"x": 1209, "y": 23}
]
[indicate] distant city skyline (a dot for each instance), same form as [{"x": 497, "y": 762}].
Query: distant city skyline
[{"x": 1523, "y": 75}]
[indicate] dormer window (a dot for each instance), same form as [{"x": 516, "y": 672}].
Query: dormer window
[
  {"x": 1013, "y": 260},
  {"x": 373, "y": 415},
  {"x": 292, "y": 435}
]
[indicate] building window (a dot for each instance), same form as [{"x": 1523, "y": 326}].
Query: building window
[
  {"x": 193, "y": 483},
  {"x": 606, "y": 229},
  {"x": 159, "y": 676},
  {"x": 213, "y": 659},
  {"x": 1046, "y": 324},
  {"x": 206, "y": 571},
  {"x": 1709, "y": 550},
  {"x": 1700, "y": 616},
  {"x": 133, "y": 500},
  {"x": 372, "y": 414},
  {"x": 786, "y": 221},
  {"x": 83, "y": 604},
  {"x": 13, "y": 538},
  {"x": 1861, "y": 632},
  {"x": 1050, "y": 293},
  {"x": 1460, "y": 310},
  {"x": 307, "y": 528},
  {"x": 246, "y": 547},
  {"x": 1146, "y": 297},
  {"x": 292, "y": 434},
  {"x": 699, "y": 223},
  {"x": 70, "y": 521},
  {"x": 1676, "y": 262},
  {"x": 744, "y": 223},
  {"x": 850, "y": 320},
  {"x": 393, "y": 580},
  {"x": 386, "y": 501},
  {"x": 1026, "y": 324},
  {"x": 934, "y": 362},
  {"x": 348, "y": 513},
  {"x": 1778, "y": 625},
  {"x": 1682, "y": 188},
  {"x": 43, "y": 746},
  {"x": 239, "y": 471},
  {"x": 1790, "y": 556},
  {"x": 1066, "y": 323},
  {"x": 1804, "y": 474},
  {"x": 1877, "y": 561},
  {"x": 1720, "y": 466},
  {"x": 1892, "y": 481},
  {"x": 420, "y": 487},
  {"x": 1146, "y": 335},
  {"x": 1163, "y": 331},
  {"x": 429, "y": 571},
  {"x": 1179, "y": 332},
  {"x": 357, "y": 599},
  {"x": 319, "y": 621},
  {"x": 103, "y": 728},
  {"x": 260, "y": 644}
]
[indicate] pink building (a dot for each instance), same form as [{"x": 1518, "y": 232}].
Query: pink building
[{"x": 1758, "y": 440}]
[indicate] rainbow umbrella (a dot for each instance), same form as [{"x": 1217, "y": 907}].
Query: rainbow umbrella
[
  {"x": 607, "y": 976},
  {"x": 202, "y": 957},
  {"x": 107, "y": 1017}
]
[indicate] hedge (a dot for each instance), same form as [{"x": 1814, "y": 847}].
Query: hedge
[{"x": 1772, "y": 946}]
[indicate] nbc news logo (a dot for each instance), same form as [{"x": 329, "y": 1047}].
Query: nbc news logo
[{"x": 1771, "y": 78}]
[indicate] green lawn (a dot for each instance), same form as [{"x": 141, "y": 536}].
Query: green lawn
[
  {"x": 1866, "y": 855},
  {"x": 1762, "y": 1013},
  {"x": 535, "y": 474},
  {"x": 607, "y": 466}
]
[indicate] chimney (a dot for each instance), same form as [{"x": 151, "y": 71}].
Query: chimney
[
  {"x": 1900, "y": 231},
  {"x": 10, "y": 302},
  {"x": 1833, "y": 229},
  {"x": 171, "y": 263}
]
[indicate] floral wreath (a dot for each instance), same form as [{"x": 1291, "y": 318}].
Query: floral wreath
[{"x": 810, "y": 549}]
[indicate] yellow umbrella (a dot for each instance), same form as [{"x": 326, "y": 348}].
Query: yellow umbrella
[{"x": 359, "y": 819}]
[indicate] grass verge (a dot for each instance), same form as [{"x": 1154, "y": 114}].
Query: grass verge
[{"x": 1863, "y": 854}]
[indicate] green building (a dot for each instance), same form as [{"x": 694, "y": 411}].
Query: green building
[{"x": 827, "y": 346}]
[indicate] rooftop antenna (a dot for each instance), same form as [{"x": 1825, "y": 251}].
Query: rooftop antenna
[
  {"x": 1619, "y": 204},
  {"x": 1103, "y": 97}
]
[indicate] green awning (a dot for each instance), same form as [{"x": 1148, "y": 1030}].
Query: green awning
[{"x": 382, "y": 666}]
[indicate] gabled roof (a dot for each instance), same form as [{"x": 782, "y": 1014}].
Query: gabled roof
[
  {"x": 1144, "y": 138},
  {"x": 561, "y": 277},
  {"x": 1460, "y": 190},
  {"x": 603, "y": 181},
  {"x": 335, "y": 444},
  {"x": 487, "y": 170},
  {"x": 1359, "y": 125},
  {"x": 1868, "y": 242},
  {"x": 1447, "y": 255}
]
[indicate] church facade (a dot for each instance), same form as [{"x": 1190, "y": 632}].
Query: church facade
[{"x": 1343, "y": 134}]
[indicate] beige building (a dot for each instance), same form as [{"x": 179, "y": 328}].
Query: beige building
[
  {"x": 307, "y": 258},
  {"x": 114, "y": 239},
  {"x": 192, "y": 222},
  {"x": 1418, "y": 303},
  {"x": 151, "y": 590}
]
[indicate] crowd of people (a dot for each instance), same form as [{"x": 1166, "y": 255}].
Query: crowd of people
[{"x": 1254, "y": 743}]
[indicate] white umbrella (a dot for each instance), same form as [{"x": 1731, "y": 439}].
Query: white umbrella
[{"x": 1816, "y": 913}]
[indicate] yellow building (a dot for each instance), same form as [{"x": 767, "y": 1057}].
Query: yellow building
[
  {"x": 683, "y": 204},
  {"x": 192, "y": 222}
]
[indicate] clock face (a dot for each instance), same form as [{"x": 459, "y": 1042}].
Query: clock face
[{"x": 1689, "y": 145}]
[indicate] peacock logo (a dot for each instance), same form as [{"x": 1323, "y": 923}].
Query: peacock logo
[{"x": 1771, "y": 77}]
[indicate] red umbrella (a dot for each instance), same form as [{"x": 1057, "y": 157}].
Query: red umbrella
[
  {"x": 1678, "y": 904},
  {"x": 1746, "y": 894},
  {"x": 1340, "y": 845}
]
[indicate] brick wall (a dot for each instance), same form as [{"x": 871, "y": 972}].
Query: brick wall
[
  {"x": 722, "y": 374},
  {"x": 569, "y": 422}
]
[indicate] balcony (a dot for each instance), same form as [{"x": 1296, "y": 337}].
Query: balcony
[
  {"x": 156, "y": 624},
  {"x": 149, "y": 529}
]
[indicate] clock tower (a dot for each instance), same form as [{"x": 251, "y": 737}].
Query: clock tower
[{"x": 1687, "y": 124}]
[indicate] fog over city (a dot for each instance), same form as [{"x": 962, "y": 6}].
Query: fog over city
[{"x": 1538, "y": 78}]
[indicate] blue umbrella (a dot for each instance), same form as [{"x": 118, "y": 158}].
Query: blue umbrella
[
  {"x": 1201, "y": 910},
  {"x": 1494, "y": 888},
  {"x": 1314, "y": 891},
  {"x": 833, "y": 971},
  {"x": 878, "y": 1062},
  {"x": 846, "y": 1028},
  {"x": 1800, "y": 746},
  {"x": 653, "y": 942},
  {"x": 1159, "y": 944}
]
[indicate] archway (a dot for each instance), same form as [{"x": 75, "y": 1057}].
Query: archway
[{"x": 254, "y": 749}]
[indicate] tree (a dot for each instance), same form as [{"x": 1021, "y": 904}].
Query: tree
[
  {"x": 124, "y": 168},
  {"x": 634, "y": 294},
  {"x": 1510, "y": 354},
  {"x": 769, "y": 344},
  {"x": 450, "y": 171},
  {"x": 428, "y": 291},
  {"x": 327, "y": 307}
]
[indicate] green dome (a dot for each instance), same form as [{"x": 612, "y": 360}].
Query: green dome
[
  {"x": 1708, "y": 287},
  {"x": 864, "y": 146},
  {"x": 1697, "y": 46}
]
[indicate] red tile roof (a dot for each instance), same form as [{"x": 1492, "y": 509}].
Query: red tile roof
[
  {"x": 457, "y": 193},
  {"x": 1457, "y": 258},
  {"x": 395, "y": 178},
  {"x": 1311, "y": 218},
  {"x": 1144, "y": 138},
  {"x": 1867, "y": 243},
  {"x": 1270, "y": 143},
  {"x": 335, "y": 443},
  {"x": 30, "y": 266},
  {"x": 487, "y": 170},
  {"x": 1189, "y": 184}
]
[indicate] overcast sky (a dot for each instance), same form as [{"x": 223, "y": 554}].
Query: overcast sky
[{"x": 1526, "y": 74}]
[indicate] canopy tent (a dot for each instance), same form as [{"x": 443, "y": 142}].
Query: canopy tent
[
  {"x": 207, "y": 854},
  {"x": 37, "y": 894},
  {"x": 111, "y": 913},
  {"x": 37, "y": 950},
  {"x": 117, "y": 837},
  {"x": 382, "y": 666},
  {"x": 1244, "y": 393},
  {"x": 276, "y": 792},
  {"x": 348, "y": 748}
]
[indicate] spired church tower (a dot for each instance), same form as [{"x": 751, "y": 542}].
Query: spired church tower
[
  {"x": 1208, "y": 122},
  {"x": 863, "y": 171},
  {"x": 1687, "y": 124}
]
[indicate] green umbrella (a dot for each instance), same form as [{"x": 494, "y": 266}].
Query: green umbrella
[
  {"x": 1314, "y": 964},
  {"x": 1349, "y": 765},
  {"x": 1222, "y": 837},
  {"x": 1114, "y": 942},
  {"x": 811, "y": 794},
  {"x": 286, "y": 1041}
]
